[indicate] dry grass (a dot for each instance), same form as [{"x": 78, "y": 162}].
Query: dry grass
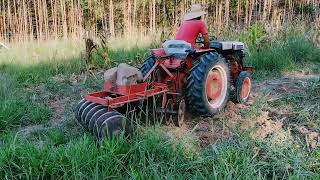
[{"x": 33, "y": 52}]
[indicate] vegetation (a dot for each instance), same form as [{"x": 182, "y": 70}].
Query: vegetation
[
  {"x": 291, "y": 49},
  {"x": 43, "y": 76},
  {"x": 53, "y": 19},
  {"x": 40, "y": 138}
]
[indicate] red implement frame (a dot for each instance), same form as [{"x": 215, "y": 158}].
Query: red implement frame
[{"x": 117, "y": 96}]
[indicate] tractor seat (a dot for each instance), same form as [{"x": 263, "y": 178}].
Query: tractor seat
[{"x": 177, "y": 48}]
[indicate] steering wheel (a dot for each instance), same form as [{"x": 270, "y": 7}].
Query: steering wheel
[{"x": 200, "y": 39}]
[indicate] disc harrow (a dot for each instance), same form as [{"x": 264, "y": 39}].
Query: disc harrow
[
  {"x": 98, "y": 121},
  {"x": 176, "y": 78}
]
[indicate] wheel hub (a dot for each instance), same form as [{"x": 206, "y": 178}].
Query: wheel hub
[
  {"x": 246, "y": 86},
  {"x": 214, "y": 85}
]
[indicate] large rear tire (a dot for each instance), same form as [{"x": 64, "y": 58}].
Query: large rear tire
[
  {"x": 208, "y": 85},
  {"x": 147, "y": 65}
]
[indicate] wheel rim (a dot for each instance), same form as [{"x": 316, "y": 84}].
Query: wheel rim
[
  {"x": 245, "y": 89},
  {"x": 216, "y": 86}
]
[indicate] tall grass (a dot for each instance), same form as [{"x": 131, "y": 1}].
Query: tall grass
[
  {"x": 21, "y": 100},
  {"x": 26, "y": 70},
  {"x": 290, "y": 49}
]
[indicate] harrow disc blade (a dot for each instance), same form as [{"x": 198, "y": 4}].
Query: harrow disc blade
[
  {"x": 112, "y": 126},
  {"x": 91, "y": 112},
  {"x": 101, "y": 119},
  {"x": 85, "y": 113},
  {"x": 94, "y": 119},
  {"x": 76, "y": 110},
  {"x": 81, "y": 109}
]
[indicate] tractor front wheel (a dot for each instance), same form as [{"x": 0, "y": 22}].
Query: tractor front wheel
[
  {"x": 208, "y": 85},
  {"x": 243, "y": 87}
]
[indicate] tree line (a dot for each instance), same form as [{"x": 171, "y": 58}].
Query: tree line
[{"x": 22, "y": 20}]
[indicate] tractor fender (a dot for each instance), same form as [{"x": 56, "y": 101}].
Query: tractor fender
[{"x": 158, "y": 52}]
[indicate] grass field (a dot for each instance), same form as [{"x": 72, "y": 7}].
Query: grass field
[{"x": 276, "y": 136}]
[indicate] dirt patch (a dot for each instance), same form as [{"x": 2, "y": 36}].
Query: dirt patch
[
  {"x": 205, "y": 130},
  {"x": 264, "y": 123},
  {"x": 58, "y": 107},
  {"x": 178, "y": 132},
  {"x": 39, "y": 90},
  {"x": 210, "y": 132},
  {"x": 265, "y": 126},
  {"x": 232, "y": 114},
  {"x": 58, "y": 78},
  {"x": 291, "y": 83},
  {"x": 279, "y": 87},
  {"x": 312, "y": 138}
]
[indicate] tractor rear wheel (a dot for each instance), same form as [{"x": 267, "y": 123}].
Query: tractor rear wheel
[
  {"x": 243, "y": 87},
  {"x": 147, "y": 65},
  {"x": 208, "y": 85}
]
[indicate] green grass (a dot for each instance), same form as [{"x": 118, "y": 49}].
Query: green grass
[
  {"x": 291, "y": 50},
  {"x": 285, "y": 55},
  {"x": 150, "y": 155},
  {"x": 63, "y": 150}
]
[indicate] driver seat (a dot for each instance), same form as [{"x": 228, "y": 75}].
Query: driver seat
[{"x": 177, "y": 48}]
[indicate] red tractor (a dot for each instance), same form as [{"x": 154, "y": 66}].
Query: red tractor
[{"x": 181, "y": 77}]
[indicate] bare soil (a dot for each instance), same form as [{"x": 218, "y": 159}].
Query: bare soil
[
  {"x": 264, "y": 123},
  {"x": 58, "y": 107}
]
